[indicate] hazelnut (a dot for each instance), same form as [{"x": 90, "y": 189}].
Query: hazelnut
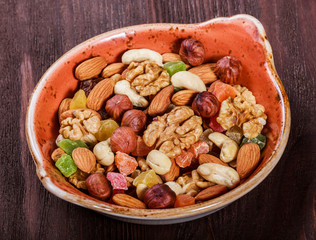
[
  {"x": 123, "y": 140},
  {"x": 159, "y": 196},
  {"x": 135, "y": 119},
  {"x": 98, "y": 186},
  {"x": 192, "y": 52},
  {"x": 141, "y": 149},
  {"x": 205, "y": 105},
  {"x": 117, "y": 106},
  {"x": 228, "y": 69}
]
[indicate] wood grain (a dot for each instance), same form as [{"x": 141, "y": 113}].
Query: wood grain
[{"x": 34, "y": 34}]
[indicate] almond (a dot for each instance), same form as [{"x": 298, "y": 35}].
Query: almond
[
  {"x": 161, "y": 102},
  {"x": 125, "y": 200},
  {"x": 57, "y": 154},
  {"x": 90, "y": 68},
  {"x": 184, "y": 97},
  {"x": 205, "y": 72},
  {"x": 171, "y": 57},
  {"x": 100, "y": 93},
  {"x": 84, "y": 159},
  {"x": 207, "y": 158},
  {"x": 247, "y": 159},
  {"x": 211, "y": 192},
  {"x": 112, "y": 69},
  {"x": 184, "y": 200},
  {"x": 173, "y": 172},
  {"x": 64, "y": 106}
]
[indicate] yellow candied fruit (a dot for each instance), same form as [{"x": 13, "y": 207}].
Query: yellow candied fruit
[
  {"x": 148, "y": 178},
  {"x": 79, "y": 100},
  {"x": 106, "y": 129}
]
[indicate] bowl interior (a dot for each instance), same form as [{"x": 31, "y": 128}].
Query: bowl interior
[{"x": 238, "y": 36}]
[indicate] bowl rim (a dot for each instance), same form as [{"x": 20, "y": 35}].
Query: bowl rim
[{"x": 172, "y": 213}]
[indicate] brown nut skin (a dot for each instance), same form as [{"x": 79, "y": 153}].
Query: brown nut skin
[
  {"x": 135, "y": 119},
  {"x": 205, "y": 104},
  {"x": 192, "y": 52},
  {"x": 159, "y": 196},
  {"x": 228, "y": 69},
  {"x": 117, "y": 106},
  {"x": 123, "y": 140},
  {"x": 98, "y": 186},
  {"x": 141, "y": 149}
]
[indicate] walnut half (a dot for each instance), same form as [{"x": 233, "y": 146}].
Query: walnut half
[{"x": 174, "y": 131}]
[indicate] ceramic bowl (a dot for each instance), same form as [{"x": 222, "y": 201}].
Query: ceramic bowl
[{"x": 241, "y": 36}]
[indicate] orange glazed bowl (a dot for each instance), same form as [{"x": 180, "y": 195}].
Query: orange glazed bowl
[{"x": 241, "y": 36}]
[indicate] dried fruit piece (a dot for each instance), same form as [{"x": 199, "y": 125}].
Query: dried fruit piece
[
  {"x": 192, "y": 52},
  {"x": 184, "y": 200},
  {"x": 100, "y": 93},
  {"x": 159, "y": 196},
  {"x": 222, "y": 90},
  {"x": 149, "y": 178},
  {"x": 174, "y": 67},
  {"x": 123, "y": 140},
  {"x": 88, "y": 85},
  {"x": 84, "y": 159},
  {"x": 90, "y": 68},
  {"x": 235, "y": 133},
  {"x": 248, "y": 159},
  {"x": 198, "y": 148},
  {"x": 107, "y": 127},
  {"x": 228, "y": 69},
  {"x": 125, "y": 200},
  {"x": 68, "y": 145},
  {"x": 117, "y": 180},
  {"x": 98, "y": 186},
  {"x": 184, "y": 159},
  {"x": 260, "y": 140},
  {"x": 66, "y": 165},
  {"x": 211, "y": 192},
  {"x": 117, "y": 106},
  {"x": 125, "y": 163},
  {"x": 205, "y": 105},
  {"x": 79, "y": 100}
]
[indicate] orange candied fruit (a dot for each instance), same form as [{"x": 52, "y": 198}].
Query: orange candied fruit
[
  {"x": 125, "y": 163},
  {"x": 184, "y": 159},
  {"x": 222, "y": 90}
]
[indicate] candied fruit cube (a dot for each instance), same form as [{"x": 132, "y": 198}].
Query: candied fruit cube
[
  {"x": 66, "y": 165},
  {"x": 199, "y": 148},
  {"x": 117, "y": 180},
  {"x": 184, "y": 159},
  {"x": 174, "y": 67},
  {"x": 106, "y": 129},
  {"x": 125, "y": 163},
  {"x": 69, "y": 145},
  {"x": 149, "y": 178}
]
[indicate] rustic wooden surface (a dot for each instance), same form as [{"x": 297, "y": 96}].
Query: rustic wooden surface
[{"x": 33, "y": 34}]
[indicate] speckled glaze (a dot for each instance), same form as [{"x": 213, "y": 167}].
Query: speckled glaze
[{"x": 241, "y": 36}]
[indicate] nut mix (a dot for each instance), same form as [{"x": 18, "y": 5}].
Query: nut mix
[{"x": 159, "y": 131}]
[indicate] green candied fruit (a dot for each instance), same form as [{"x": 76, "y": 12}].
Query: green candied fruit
[
  {"x": 174, "y": 67},
  {"x": 260, "y": 140},
  {"x": 66, "y": 165},
  {"x": 69, "y": 145}
]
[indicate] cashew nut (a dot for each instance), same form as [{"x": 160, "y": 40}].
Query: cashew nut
[
  {"x": 229, "y": 148},
  {"x": 140, "y": 55},
  {"x": 159, "y": 162},
  {"x": 103, "y": 153},
  {"x": 124, "y": 87},
  {"x": 219, "y": 174},
  {"x": 188, "y": 80},
  {"x": 176, "y": 187},
  {"x": 140, "y": 190}
]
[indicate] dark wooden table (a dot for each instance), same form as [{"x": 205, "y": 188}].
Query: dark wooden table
[{"x": 33, "y": 34}]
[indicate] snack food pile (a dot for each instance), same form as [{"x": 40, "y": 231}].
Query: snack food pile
[{"x": 159, "y": 131}]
